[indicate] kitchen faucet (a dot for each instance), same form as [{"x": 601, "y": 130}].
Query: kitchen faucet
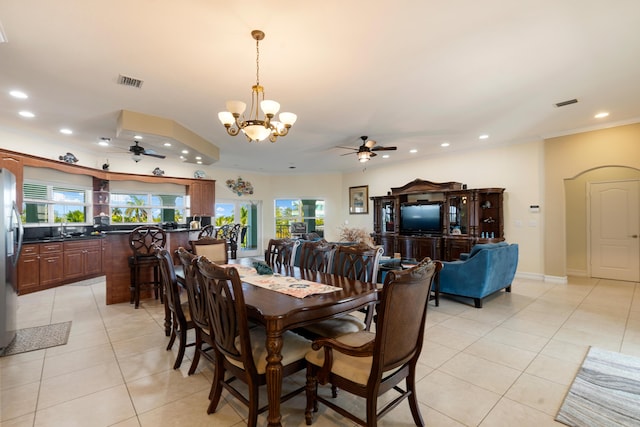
[{"x": 62, "y": 225}]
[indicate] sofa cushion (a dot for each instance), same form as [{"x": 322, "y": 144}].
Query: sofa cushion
[{"x": 480, "y": 246}]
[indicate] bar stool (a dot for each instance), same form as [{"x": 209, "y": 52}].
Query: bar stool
[{"x": 142, "y": 241}]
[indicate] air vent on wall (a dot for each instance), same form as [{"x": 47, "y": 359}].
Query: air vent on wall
[
  {"x": 129, "y": 81},
  {"x": 565, "y": 103}
]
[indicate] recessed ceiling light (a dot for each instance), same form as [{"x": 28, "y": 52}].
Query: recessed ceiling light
[
  {"x": 185, "y": 151},
  {"x": 18, "y": 94},
  {"x": 138, "y": 137},
  {"x": 385, "y": 156},
  {"x": 413, "y": 151},
  {"x": 167, "y": 144},
  {"x": 182, "y": 158},
  {"x": 198, "y": 157},
  {"x": 27, "y": 114},
  {"x": 66, "y": 131},
  {"x": 444, "y": 144},
  {"x": 104, "y": 141},
  {"x": 601, "y": 115},
  {"x": 199, "y": 162},
  {"x": 483, "y": 136}
]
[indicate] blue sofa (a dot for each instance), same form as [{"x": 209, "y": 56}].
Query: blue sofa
[{"x": 487, "y": 269}]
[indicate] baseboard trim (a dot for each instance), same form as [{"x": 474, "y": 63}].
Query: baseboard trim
[
  {"x": 559, "y": 280},
  {"x": 577, "y": 273},
  {"x": 530, "y": 276}
]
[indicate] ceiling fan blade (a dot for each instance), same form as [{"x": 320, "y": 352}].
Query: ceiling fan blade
[
  {"x": 379, "y": 148},
  {"x": 372, "y": 154},
  {"x": 159, "y": 156},
  {"x": 348, "y": 154},
  {"x": 347, "y": 148}
]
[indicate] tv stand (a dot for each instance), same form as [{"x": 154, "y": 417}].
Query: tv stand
[{"x": 471, "y": 216}]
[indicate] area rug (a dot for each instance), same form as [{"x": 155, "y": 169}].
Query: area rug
[
  {"x": 605, "y": 392},
  {"x": 39, "y": 337}
]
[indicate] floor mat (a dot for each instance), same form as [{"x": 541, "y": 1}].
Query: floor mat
[
  {"x": 605, "y": 392},
  {"x": 39, "y": 337}
]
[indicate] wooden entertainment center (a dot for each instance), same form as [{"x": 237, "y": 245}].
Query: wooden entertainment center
[{"x": 467, "y": 217}]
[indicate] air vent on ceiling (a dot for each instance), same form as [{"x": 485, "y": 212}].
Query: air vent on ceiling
[
  {"x": 565, "y": 103},
  {"x": 129, "y": 81}
]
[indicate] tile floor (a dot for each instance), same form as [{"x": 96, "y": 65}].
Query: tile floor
[{"x": 509, "y": 363}]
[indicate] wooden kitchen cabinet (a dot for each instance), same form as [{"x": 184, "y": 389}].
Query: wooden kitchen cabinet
[
  {"x": 82, "y": 258},
  {"x": 40, "y": 267},
  {"x": 202, "y": 194}
]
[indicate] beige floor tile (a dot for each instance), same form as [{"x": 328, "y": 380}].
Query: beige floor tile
[
  {"x": 452, "y": 397},
  {"x": 467, "y": 326},
  {"x": 131, "y": 422},
  {"x": 552, "y": 369},
  {"x": 508, "y": 413},
  {"x": 18, "y": 401},
  {"x": 449, "y": 337},
  {"x": 17, "y": 359},
  {"x": 156, "y": 390},
  {"x": 73, "y": 385},
  {"x": 433, "y": 418},
  {"x": 103, "y": 408},
  {"x": 140, "y": 344},
  {"x": 148, "y": 363},
  {"x": 537, "y": 393},
  {"x": 23, "y": 421},
  {"x": 504, "y": 354},
  {"x": 434, "y": 354},
  {"x": 481, "y": 372},
  {"x": 20, "y": 373},
  {"x": 564, "y": 350},
  {"x": 79, "y": 342},
  {"x": 190, "y": 410},
  {"x": 517, "y": 339},
  {"x": 607, "y": 342},
  {"x": 531, "y": 326},
  {"x": 76, "y": 360}
]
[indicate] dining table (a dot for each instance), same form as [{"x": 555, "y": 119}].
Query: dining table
[{"x": 279, "y": 312}]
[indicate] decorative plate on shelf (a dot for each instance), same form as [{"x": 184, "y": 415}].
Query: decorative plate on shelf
[{"x": 199, "y": 174}]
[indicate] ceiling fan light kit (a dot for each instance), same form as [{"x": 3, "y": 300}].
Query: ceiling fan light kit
[
  {"x": 256, "y": 128},
  {"x": 137, "y": 151},
  {"x": 366, "y": 150}
]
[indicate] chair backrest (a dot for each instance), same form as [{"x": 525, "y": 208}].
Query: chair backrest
[
  {"x": 316, "y": 256},
  {"x": 401, "y": 316},
  {"x": 169, "y": 282},
  {"x": 197, "y": 299},
  {"x": 144, "y": 239},
  {"x": 280, "y": 253},
  {"x": 207, "y": 231},
  {"x": 227, "y": 312},
  {"x": 359, "y": 262},
  {"x": 229, "y": 232},
  {"x": 214, "y": 249}
]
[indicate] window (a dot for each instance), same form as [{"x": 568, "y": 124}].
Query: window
[
  {"x": 49, "y": 203},
  {"x": 308, "y": 211},
  {"x": 245, "y": 213},
  {"x": 146, "y": 208}
]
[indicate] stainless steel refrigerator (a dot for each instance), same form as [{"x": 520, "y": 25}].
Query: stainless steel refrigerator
[{"x": 11, "y": 233}]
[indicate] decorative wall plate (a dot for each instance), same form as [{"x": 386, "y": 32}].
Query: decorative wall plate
[{"x": 199, "y": 174}]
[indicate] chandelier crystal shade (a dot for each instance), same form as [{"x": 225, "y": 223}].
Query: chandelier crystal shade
[{"x": 255, "y": 127}]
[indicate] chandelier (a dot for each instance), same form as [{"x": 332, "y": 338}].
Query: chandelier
[{"x": 254, "y": 127}]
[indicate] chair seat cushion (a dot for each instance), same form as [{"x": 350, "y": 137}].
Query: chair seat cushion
[
  {"x": 356, "y": 369},
  {"x": 332, "y": 328},
  {"x": 186, "y": 311},
  {"x": 294, "y": 348}
]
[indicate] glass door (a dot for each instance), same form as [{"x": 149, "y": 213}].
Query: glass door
[{"x": 246, "y": 213}]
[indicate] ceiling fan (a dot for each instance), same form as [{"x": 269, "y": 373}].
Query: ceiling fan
[
  {"x": 367, "y": 149},
  {"x": 138, "y": 151}
]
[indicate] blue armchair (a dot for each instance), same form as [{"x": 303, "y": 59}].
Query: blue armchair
[{"x": 487, "y": 269}]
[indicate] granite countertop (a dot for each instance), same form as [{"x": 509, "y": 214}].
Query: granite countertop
[{"x": 63, "y": 239}]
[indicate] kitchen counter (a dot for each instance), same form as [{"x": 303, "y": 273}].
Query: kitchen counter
[{"x": 63, "y": 239}]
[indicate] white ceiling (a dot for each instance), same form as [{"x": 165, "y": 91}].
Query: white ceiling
[{"x": 407, "y": 73}]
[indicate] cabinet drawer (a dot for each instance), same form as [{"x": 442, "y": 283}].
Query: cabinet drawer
[
  {"x": 82, "y": 244},
  {"x": 46, "y": 248},
  {"x": 31, "y": 249}
]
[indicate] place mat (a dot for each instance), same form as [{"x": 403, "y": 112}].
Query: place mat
[
  {"x": 38, "y": 338},
  {"x": 298, "y": 288},
  {"x": 605, "y": 392}
]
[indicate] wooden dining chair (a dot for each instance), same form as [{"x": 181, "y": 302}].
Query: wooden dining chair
[
  {"x": 180, "y": 314},
  {"x": 215, "y": 250},
  {"x": 240, "y": 352},
  {"x": 197, "y": 308},
  {"x": 369, "y": 364},
  {"x": 280, "y": 254},
  {"x": 317, "y": 256},
  {"x": 142, "y": 241},
  {"x": 207, "y": 231}
]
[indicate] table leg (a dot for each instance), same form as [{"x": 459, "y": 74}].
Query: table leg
[{"x": 274, "y": 375}]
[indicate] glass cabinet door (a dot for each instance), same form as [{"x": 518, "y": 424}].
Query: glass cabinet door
[
  {"x": 458, "y": 214},
  {"x": 388, "y": 216}
]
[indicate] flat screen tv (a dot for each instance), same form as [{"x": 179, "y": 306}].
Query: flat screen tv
[{"x": 421, "y": 218}]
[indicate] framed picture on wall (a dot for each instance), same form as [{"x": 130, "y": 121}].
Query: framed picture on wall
[{"x": 359, "y": 200}]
